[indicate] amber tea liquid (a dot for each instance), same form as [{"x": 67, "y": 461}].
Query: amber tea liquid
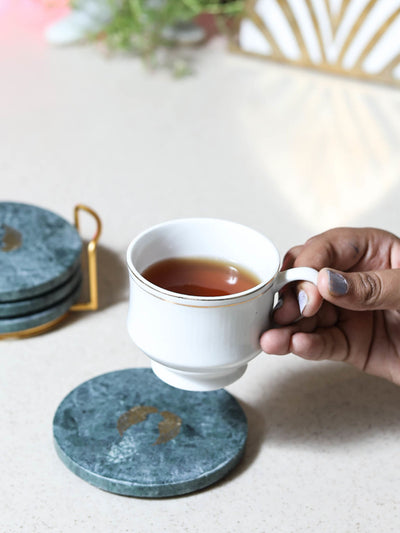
[{"x": 200, "y": 276}]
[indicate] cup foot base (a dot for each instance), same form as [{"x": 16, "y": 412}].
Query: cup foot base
[{"x": 197, "y": 381}]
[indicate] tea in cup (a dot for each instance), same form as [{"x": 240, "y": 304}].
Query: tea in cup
[{"x": 201, "y": 294}]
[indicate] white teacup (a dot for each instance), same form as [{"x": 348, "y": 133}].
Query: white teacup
[{"x": 203, "y": 343}]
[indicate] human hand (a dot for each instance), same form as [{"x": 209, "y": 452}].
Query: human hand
[{"x": 354, "y": 314}]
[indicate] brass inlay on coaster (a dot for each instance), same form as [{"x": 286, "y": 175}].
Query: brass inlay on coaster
[
  {"x": 11, "y": 239},
  {"x": 168, "y": 428}
]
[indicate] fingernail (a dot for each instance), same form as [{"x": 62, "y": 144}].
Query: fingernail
[
  {"x": 279, "y": 303},
  {"x": 302, "y": 298},
  {"x": 337, "y": 284}
]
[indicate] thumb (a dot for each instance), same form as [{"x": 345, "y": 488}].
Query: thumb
[{"x": 361, "y": 290}]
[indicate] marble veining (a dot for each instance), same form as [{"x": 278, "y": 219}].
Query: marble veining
[{"x": 206, "y": 443}]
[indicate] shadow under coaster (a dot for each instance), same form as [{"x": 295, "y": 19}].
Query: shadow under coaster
[{"x": 129, "y": 433}]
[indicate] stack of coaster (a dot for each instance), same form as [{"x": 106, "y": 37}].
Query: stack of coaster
[{"x": 40, "y": 267}]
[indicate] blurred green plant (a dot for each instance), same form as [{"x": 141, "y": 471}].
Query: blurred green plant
[{"x": 141, "y": 26}]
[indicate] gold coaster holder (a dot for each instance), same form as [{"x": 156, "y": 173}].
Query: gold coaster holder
[{"x": 93, "y": 303}]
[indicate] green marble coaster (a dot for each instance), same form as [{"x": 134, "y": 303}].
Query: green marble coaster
[
  {"x": 20, "y": 308},
  {"x": 39, "y": 251},
  {"x": 45, "y": 316},
  {"x": 129, "y": 433}
]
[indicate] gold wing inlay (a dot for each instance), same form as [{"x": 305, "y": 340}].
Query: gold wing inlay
[
  {"x": 168, "y": 428},
  {"x": 137, "y": 414},
  {"x": 12, "y": 239}
]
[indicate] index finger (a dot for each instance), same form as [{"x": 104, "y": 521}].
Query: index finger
[{"x": 338, "y": 248}]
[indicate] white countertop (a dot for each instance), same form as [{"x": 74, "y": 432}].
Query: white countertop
[{"x": 286, "y": 151}]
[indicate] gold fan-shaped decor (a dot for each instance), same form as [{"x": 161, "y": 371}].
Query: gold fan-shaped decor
[{"x": 359, "y": 38}]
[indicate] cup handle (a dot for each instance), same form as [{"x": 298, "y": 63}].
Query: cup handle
[{"x": 295, "y": 274}]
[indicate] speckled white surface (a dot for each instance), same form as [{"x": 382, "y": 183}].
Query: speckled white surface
[{"x": 287, "y": 152}]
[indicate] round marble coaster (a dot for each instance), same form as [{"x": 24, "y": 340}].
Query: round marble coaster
[
  {"x": 33, "y": 320},
  {"x": 41, "y": 302},
  {"x": 129, "y": 433},
  {"x": 39, "y": 250}
]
